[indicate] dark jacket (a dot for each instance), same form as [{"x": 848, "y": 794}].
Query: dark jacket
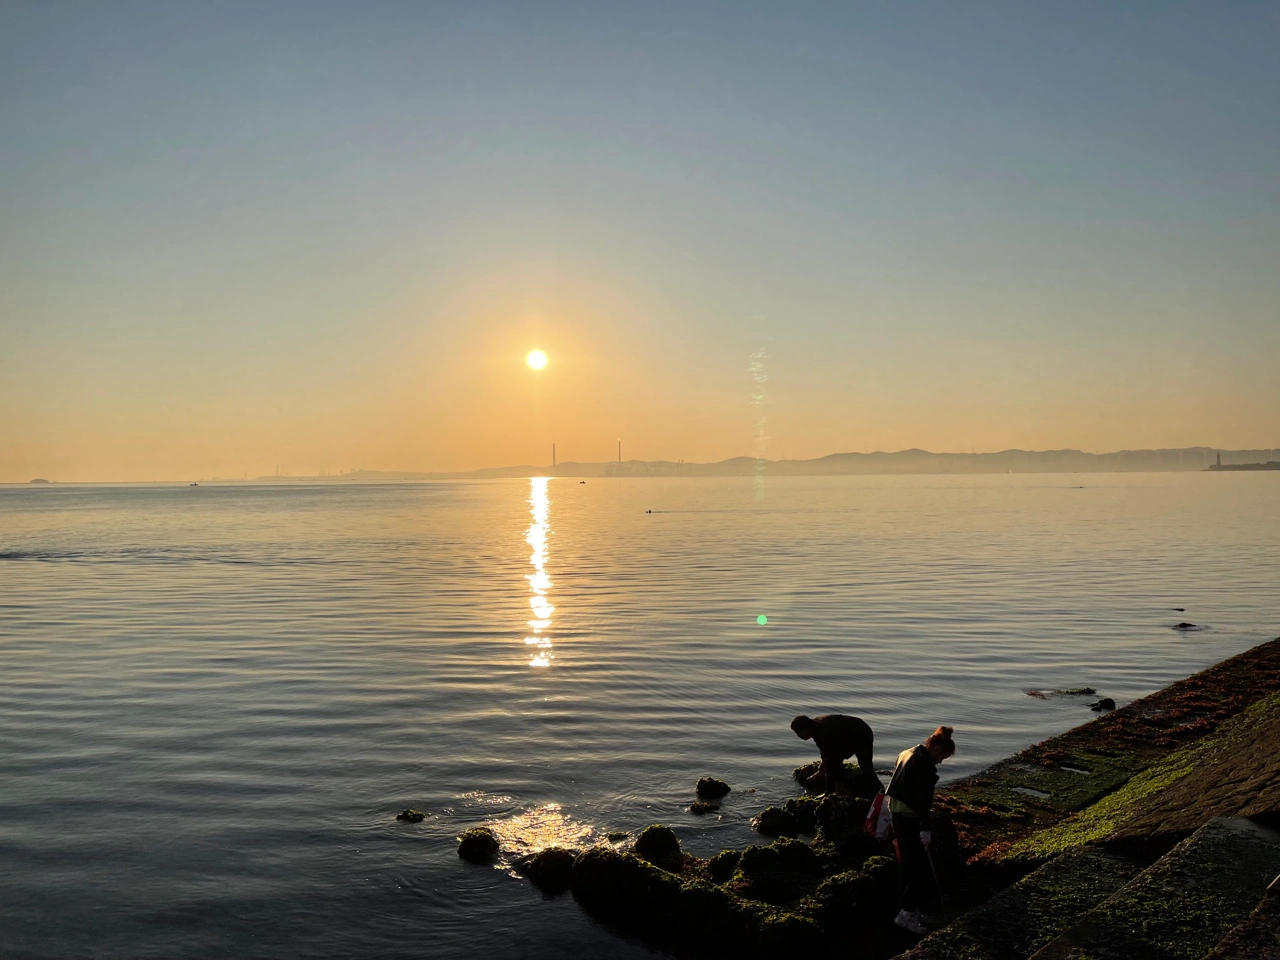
[
  {"x": 913, "y": 779},
  {"x": 840, "y": 737}
]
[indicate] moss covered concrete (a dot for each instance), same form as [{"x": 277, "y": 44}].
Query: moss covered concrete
[
  {"x": 1180, "y": 908},
  {"x": 1020, "y": 920}
]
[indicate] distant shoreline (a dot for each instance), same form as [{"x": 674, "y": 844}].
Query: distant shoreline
[{"x": 901, "y": 463}]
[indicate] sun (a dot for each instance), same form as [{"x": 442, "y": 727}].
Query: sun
[{"x": 536, "y": 359}]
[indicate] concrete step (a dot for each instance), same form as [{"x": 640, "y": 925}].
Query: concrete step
[
  {"x": 1257, "y": 936},
  {"x": 1019, "y": 920},
  {"x": 1183, "y": 905}
]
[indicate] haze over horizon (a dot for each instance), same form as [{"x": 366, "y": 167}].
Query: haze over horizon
[{"x": 326, "y": 237}]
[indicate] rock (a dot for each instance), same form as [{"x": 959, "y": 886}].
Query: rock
[
  {"x": 1077, "y": 692},
  {"x": 855, "y": 898},
  {"x": 721, "y": 867},
  {"x": 775, "y": 822},
  {"x": 858, "y": 782},
  {"x": 805, "y": 811},
  {"x": 1106, "y": 703},
  {"x": 549, "y": 869},
  {"x": 714, "y": 921},
  {"x": 626, "y": 890},
  {"x": 790, "y": 934},
  {"x": 658, "y": 844},
  {"x": 780, "y": 873},
  {"x": 479, "y": 844},
  {"x": 1184, "y": 625},
  {"x": 701, "y": 807},
  {"x": 710, "y": 788},
  {"x": 617, "y": 836},
  {"x": 411, "y": 816}
]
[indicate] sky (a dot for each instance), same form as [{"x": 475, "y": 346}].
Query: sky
[{"x": 236, "y": 238}]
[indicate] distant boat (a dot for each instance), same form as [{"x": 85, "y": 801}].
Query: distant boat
[{"x": 193, "y": 484}]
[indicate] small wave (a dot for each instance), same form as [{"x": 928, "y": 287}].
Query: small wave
[{"x": 151, "y": 556}]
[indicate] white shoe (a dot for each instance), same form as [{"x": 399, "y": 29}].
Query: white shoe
[{"x": 910, "y": 920}]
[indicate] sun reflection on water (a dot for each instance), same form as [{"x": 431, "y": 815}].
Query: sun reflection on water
[
  {"x": 539, "y": 582},
  {"x": 546, "y": 826}
]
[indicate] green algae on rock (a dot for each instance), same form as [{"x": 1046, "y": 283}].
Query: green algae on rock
[
  {"x": 775, "y": 822},
  {"x": 478, "y": 845},
  {"x": 549, "y": 869},
  {"x": 411, "y": 816},
  {"x": 659, "y": 845}
]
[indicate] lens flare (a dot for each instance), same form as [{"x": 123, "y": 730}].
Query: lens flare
[{"x": 762, "y": 619}]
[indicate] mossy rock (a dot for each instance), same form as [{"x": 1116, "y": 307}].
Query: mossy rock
[
  {"x": 856, "y": 781},
  {"x": 659, "y": 845},
  {"x": 479, "y": 845},
  {"x": 549, "y": 869},
  {"x": 781, "y": 873},
  {"x": 711, "y": 788},
  {"x": 775, "y": 822},
  {"x": 722, "y": 866},
  {"x": 702, "y": 806},
  {"x": 805, "y": 811},
  {"x": 626, "y": 890},
  {"x": 855, "y": 898},
  {"x": 790, "y": 934},
  {"x": 411, "y": 816},
  {"x": 713, "y": 920}
]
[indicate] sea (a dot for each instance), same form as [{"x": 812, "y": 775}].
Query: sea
[{"x": 215, "y": 699}]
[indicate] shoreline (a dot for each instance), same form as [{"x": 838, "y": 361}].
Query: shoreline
[{"x": 1033, "y": 849}]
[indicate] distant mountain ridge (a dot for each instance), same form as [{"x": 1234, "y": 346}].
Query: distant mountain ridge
[{"x": 913, "y": 461}]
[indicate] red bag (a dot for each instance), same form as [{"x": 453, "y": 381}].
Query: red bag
[{"x": 879, "y": 823}]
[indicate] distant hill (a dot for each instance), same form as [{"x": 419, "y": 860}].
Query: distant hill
[{"x": 902, "y": 462}]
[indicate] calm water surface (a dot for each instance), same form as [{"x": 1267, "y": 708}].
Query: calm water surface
[{"x": 214, "y": 699}]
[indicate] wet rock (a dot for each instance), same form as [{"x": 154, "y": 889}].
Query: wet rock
[
  {"x": 722, "y": 866},
  {"x": 1077, "y": 692},
  {"x": 858, "y": 782},
  {"x": 709, "y": 788},
  {"x": 411, "y": 816},
  {"x": 658, "y": 844},
  {"x": 479, "y": 845},
  {"x": 1184, "y": 625},
  {"x": 775, "y": 822},
  {"x": 1106, "y": 703},
  {"x": 781, "y": 873},
  {"x": 549, "y": 869},
  {"x": 714, "y": 921},
  {"x": 804, "y": 810},
  {"x": 849, "y": 900},
  {"x": 626, "y": 890},
  {"x": 702, "y": 806},
  {"x": 617, "y": 836},
  {"x": 790, "y": 934}
]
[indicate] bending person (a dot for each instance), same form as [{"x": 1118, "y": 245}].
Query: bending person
[
  {"x": 910, "y": 799},
  {"x": 837, "y": 738}
]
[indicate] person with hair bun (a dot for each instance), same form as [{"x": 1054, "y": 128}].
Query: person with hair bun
[{"x": 910, "y": 796}]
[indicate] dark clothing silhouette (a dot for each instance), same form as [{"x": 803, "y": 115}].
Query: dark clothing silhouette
[
  {"x": 914, "y": 777},
  {"x": 838, "y": 738},
  {"x": 916, "y": 885},
  {"x": 910, "y": 799}
]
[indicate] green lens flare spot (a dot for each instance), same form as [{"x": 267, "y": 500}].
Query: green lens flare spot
[{"x": 762, "y": 619}]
